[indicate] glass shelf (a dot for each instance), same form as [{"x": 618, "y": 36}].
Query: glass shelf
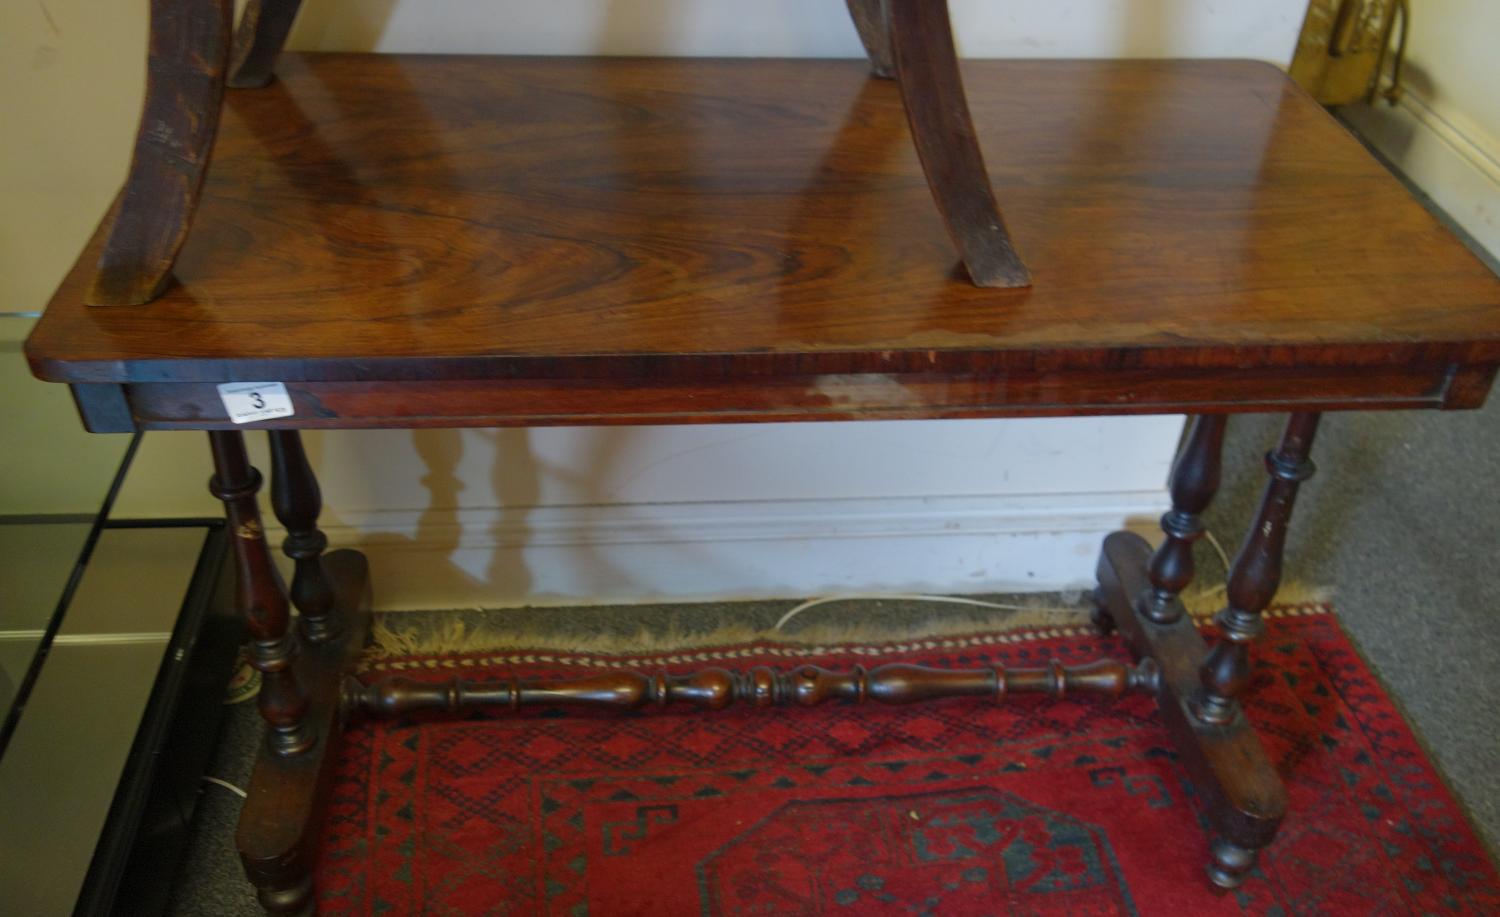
[{"x": 54, "y": 478}]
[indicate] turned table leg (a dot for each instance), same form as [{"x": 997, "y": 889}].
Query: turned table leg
[
  {"x": 1253, "y": 581},
  {"x": 289, "y": 789},
  {"x": 1194, "y": 481},
  {"x": 1256, "y": 574},
  {"x": 297, "y": 501},
  {"x": 1198, "y": 688},
  {"x": 259, "y": 595}
]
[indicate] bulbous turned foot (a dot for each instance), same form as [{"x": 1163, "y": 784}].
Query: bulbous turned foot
[
  {"x": 1231, "y": 863},
  {"x": 295, "y": 898}
]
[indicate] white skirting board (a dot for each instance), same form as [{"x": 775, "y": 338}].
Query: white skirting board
[
  {"x": 602, "y": 515},
  {"x": 1445, "y": 153},
  {"x": 683, "y": 552}
]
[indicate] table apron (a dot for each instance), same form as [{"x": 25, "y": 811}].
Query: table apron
[{"x": 108, "y": 407}]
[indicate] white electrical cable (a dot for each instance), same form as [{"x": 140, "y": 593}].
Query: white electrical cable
[
  {"x": 899, "y": 597},
  {"x": 1218, "y": 549},
  {"x": 227, "y": 785},
  {"x": 959, "y": 600}
]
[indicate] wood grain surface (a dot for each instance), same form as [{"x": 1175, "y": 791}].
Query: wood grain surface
[
  {"x": 387, "y": 219},
  {"x": 185, "y": 72}
]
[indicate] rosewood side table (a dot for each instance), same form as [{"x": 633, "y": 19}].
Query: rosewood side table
[{"x": 436, "y": 242}]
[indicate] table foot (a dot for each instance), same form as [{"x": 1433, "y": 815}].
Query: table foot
[
  {"x": 1230, "y": 864},
  {"x": 1242, "y": 795},
  {"x": 288, "y": 796}
]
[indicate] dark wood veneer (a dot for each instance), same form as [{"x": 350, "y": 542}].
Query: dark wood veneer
[
  {"x": 833, "y": 396},
  {"x": 638, "y": 219}
]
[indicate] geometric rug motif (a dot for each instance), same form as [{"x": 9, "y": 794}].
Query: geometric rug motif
[{"x": 1031, "y": 807}]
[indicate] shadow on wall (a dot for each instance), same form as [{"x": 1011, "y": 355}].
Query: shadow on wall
[
  {"x": 428, "y": 560},
  {"x": 488, "y": 549},
  {"x": 1146, "y": 26},
  {"x": 624, "y": 27},
  {"x": 359, "y": 25},
  {"x": 1396, "y": 134},
  {"x": 621, "y": 26}
]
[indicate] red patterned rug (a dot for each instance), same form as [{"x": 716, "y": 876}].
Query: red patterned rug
[{"x": 968, "y": 808}]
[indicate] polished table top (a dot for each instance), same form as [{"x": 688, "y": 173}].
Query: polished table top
[{"x": 372, "y": 220}]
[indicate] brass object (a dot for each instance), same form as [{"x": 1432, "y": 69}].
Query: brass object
[{"x": 1345, "y": 47}]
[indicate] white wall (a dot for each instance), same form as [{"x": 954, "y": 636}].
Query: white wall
[
  {"x": 471, "y": 517},
  {"x": 456, "y": 518},
  {"x": 1265, "y": 29},
  {"x": 1445, "y": 132}
]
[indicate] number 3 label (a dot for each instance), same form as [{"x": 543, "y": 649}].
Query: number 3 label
[{"x": 247, "y": 402}]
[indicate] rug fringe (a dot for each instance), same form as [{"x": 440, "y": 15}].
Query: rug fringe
[{"x": 405, "y": 636}]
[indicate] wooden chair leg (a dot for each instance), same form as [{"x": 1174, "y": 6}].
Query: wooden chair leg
[
  {"x": 1194, "y": 481},
  {"x": 258, "y": 40},
  {"x": 1256, "y": 574},
  {"x": 184, "y": 91},
  {"x": 261, "y": 599},
  {"x": 921, "y": 41},
  {"x": 875, "y": 34},
  {"x": 296, "y": 499}
]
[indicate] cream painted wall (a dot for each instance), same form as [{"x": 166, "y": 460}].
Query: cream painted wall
[
  {"x": 797, "y": 28},
  {"x": 1445, "y": 133},
  {"x": 556, "y": 515},
  {"x": 73, "y": 81},
  {"x": 1452, "y": 59}
]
